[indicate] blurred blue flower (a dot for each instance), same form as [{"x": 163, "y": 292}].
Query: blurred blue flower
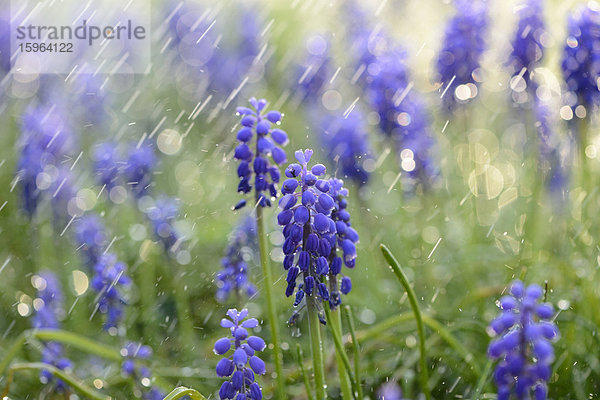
[
  {"x": 402, "y": 115},
  {"x": 554, "y": 173},
  {"x": 106, "y": 164},
  {"x": 135, "y": 357},
  {"x": 389, "y": 391},
  {"x": 138, "y": 169},
  {"x": 163, "y": 215},
  {"x": 259, "y": 142},
  {"x": 315, "y": 72},
  {"x": 47, "y": 316},
  {"x": 4, "y": 42},
  {"x": 240, "y": 366},
  {"x": 464, "y": 44},
  {"x": 345, "y": 141},
  {"x": 233, "y": 278},
  {"x": 44, "y": 143},
  {"x": 581, "y": 57},
  {"x": 524, "y": 348},
  {"x": 109, "y": 281},
  {"x": 90, "y": 238},
  {"x": 527, "y": 47}
]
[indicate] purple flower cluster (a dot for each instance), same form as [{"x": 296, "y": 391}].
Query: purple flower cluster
[
  {"x": 402, "y": 115},
  {"x": 259, "y": 141},
  {"x": 243, "y": 363},
  {"x": 47, "y": 317},
  {"x": 135, "y": 355},
  {"x": 525, "y": 330},
  {"x": 163, "y": 215},
  {"x": 345, "y": 142},
  {"x": 138, "y": 169},
  {"x": 581, "y": 56},
  {"x": 106, "y": 165},
  {"x": 460, "y": 56},
  {"x": 549, "y": 150},
  {"x": 315, "y": 71},
  {"x": 109, "y": 281},
  {"x": 310, "y": 230},
  {"x": 528, "y": 49},
  {"x": 109, "y": 278},
  {"x": 45, "y": 140},
  {"x": 389, "y": 391},
  {"x": 233, "y": 278}
]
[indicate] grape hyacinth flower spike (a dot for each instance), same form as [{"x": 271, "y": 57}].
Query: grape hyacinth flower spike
[
  {"x": 47, "y": 317},
  {"x": 346, "y": 240},
  {"x": 524, "y": 348},
  {"x": 135, "y": 355},
  {"x": 240, "y": 366},
  {"x": 580, "y": 57},
  {"x": 233, "y": 278},
  {"x": 309, "y": 230},
  {"x": 462, "y": 50},
  {"x": 259, "y": 142}
]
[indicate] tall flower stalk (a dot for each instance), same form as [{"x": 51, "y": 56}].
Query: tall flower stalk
[
  {"x": 259, "y": 143},
  {"x": 309, "y": 235},
  {"x": 524, "y": 348}
]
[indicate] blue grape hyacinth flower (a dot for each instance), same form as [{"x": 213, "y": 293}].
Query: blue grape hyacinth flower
[
  {"x": 462, "y": 49},
  {"x": 109, "y": 281},
  {"x": 241, "y": 365},
  {"x": 48, "y": 316},
  {"x": 138, "y": 169},
  {"x": 346, "y": 240},
  {"x": 309, "y": 230},
  {"x": 90, "y": 238},
  {"x": 527, "y": 46},
  {"x": 135, "y": 356},
  {"x": 163, "y": 215},
  {"x": 259, "y": 142},
  {"x": 525, "y": 331},
  {"x": 107, "y": 165},
  {"x": 45, "y": 141},
  {"x": 581, "y": 55},
  {"x": 233, "y": 278},
  {"x": 346, "y": 143}
]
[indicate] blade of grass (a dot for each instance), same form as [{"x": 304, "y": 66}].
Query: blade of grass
[
  {"x": 339, "y": 348},
  {"x": 271, "y": 305},
  {"x": 335, "y": 323},
  {"x": 418, "y": 317},
  {"x": 76, "y": 341},
  {"x": 68, "y": 379},
  {"x": 356, "y": 350},
  {"x": 482, "y": 380},
  {"x": 181, "y": 391},
  {"x": 300, "y": 359}
]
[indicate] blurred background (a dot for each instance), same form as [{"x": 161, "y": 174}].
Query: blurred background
[{"x": 473, "y": 177}]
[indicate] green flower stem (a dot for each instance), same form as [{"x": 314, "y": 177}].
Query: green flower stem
[
  {"x": 316, "y": 346},
  {"x": 356, "y": 350},
  {"x": 303, "y": 371},
  {"x": 182, "y": 306},
  {"x": 181, "y": 391},
  {"x": 334, "y": 319},
  {"x": 271, "y": 307},
  {"x": 418, "y": 317},
  {"x": 482, "y": 380},
  {"x": 68, "y": 379}
]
